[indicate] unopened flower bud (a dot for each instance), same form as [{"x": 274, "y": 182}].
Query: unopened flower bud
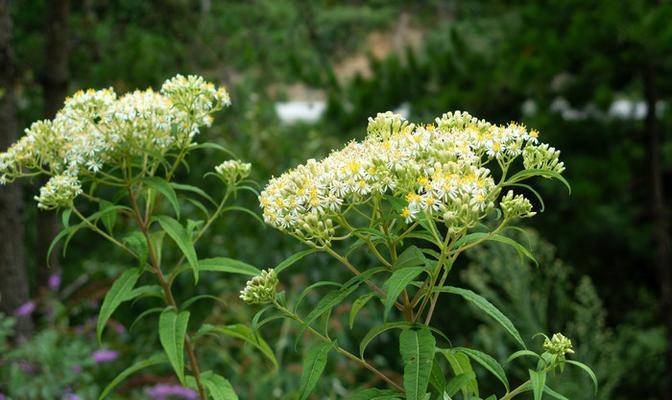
[{"x": 260, "y": 289}]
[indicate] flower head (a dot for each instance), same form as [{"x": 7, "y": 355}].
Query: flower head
[{"x": 261, "y": 288}]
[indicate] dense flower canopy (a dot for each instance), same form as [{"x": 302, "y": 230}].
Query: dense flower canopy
[
  {"x": 441, "y": 170},
  {"x": 97, "y": 128}
]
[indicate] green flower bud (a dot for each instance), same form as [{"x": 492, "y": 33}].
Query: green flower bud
[
  {"x": 516, "y": 206},
  {"x": 261, "y": 289},
  {"x": 558, "y": 345},
  {"x": 233, "y": 171}
]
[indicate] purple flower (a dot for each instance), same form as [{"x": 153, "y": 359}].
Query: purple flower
[
  {"x": 54, "y": 281},
  {"x": 2, "y": 397},
  {"x": 162, "y": 391},
  {"x": 25, "y": 309},
  {"x": 103, "y": 356}
]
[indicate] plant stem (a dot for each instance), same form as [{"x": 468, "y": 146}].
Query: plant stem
[
  {"x": 102, "y": 233},
  {"x": 341, "y": 350},
  {"x": 167, "y": 292},
  {"x": 435, "y": 275},
  {"x": 355, "y": 271},
  {"x": 515, "y": 392}
]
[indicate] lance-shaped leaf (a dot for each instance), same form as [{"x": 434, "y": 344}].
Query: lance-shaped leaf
[
  {"x": 461, "y": 366},
  {"x": 154, "y": 360},
  {"x": 289, "y": 261},
  {"x": 163, "y": 187},
  {"x": 182, "y": 238},
  {"x": 243, "y": 332},
  {"x": 487, "y": 307},
  {"x": 417, "y": 351},
  {"x": 486, "y": 362},
  {"x": 118, "y": 293},
  {"x": 357, "y": 305},
  {"x": 313, "y": 366},
  {"x": 172, "y": 332},
  {"x": 396, "y": 284},
  {"x": 218, "y": 387},
  {"x": 225, "y": 264},
  {"x": 538, "y": 382}
]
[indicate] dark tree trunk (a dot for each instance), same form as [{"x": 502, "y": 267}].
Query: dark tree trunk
[
  {"x": 13, "y": 279},
  {"x": 54, "y": 88},
  {"x": 659, "y": 215}
]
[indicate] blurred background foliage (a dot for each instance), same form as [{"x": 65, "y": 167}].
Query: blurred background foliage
[{"x": 593, "y": 77}]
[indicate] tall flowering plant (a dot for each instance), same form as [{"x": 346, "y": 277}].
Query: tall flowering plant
[
  {"x": 117, "y": 157},
  {"x": 415, "y": 197}
]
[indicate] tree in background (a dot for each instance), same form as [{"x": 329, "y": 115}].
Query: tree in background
[{"x": 14, "y": 284}]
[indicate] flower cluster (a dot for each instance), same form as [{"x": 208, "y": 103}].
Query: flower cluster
[
  {"x": 98, "y": 128},
  {"x": 233, "y": 171},
  {"x": 558, "y": 345},
  {"x": 439, "y": 171},
  {"x": 261, "y": 288}
]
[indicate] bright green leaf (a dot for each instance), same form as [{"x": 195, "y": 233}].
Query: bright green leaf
[
  {"x": 417, "y": 352},
  {"x": 172, "y": 332},
  {"x": 117, "y": 294},
  {"x": 313, "y": 366},
  {"x": 183, "y": 240},
  {"x": 154, "y": 360}
]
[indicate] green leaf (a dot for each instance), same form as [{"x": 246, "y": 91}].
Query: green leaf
[
  {"x": 172, "y": 332},
  {"x": 161, "y": 186},
  {"x": 519, "y": 247},
  {"x": 587, "y": 370},
  {"x": 486, "y": 362},
  {"x": 411, "y": 257},
  {"x": 225, "y": 264},
  {"x": 154, "y": 360},
  {"x": 521, "y": 353},
  {"x": 417, "y": 351},
  {"x": 538, "y": 381},
  {"x": 194, "y": 299},
  {"x": 183, "y": 240},
  {"x": 69, "y": 231},
  {"x": 145, "y": 291},
  {"x": 436, "y": 377},
  {"x": 396, "y": 284},
  {"x": 143, "y": 315},
  {"x": 218, "y": 387},
  {"x": 117, "y": 294},
  {"x": 545, "y": 173},
  {"x": 313, "y": 366},
  {"x": 554, "y": 394},
  {"x": 65, "y": 217},
  {"x": 138, "y": 244},
  {"x": 460, "y": 364},
  {"x": 193, "y": 189},
  {"x": 375, "y": 394},
  {"x": 246, "y": 211},
  {"x": 245, "y": 333},
  {"x": 357, "y": 305},
  {"x": 289, "y": 261},
  {"x": 459, "y": 382},
  {"x": 307, "y": 290},
  {"x": 377, "y": 330},
  {"x": 331, "y": 300},
  {"x": 484, "y": 305},
  {"x": 109, "y": 218}
]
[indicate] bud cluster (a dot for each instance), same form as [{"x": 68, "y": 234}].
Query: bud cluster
[
  {"x": 516, "y": 206},
  {"x": 261, "y": 288},
  {"x": 233, "y": 171},
  {"x": 558, "y": 345}
]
